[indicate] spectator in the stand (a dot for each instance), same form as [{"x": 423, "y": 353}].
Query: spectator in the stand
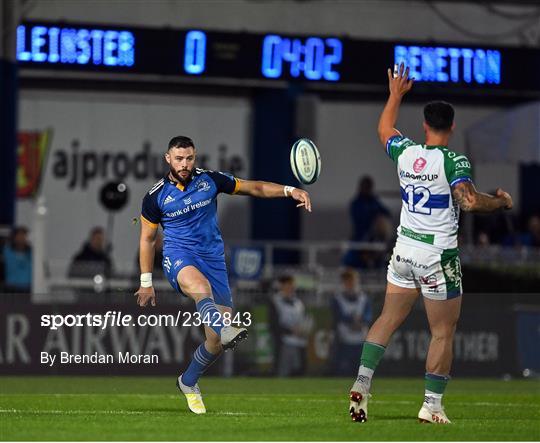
[
  {"x": 290, "y": 327},
  {"x": 499, "y": 228},
  {"x": 482, "y": 240},
  {"x": 382, "y": 232},
  {"x": 531, "y": 238},
  {"x": 18, "y": 262},
  {"x": 352, "y": 314},
  {"x": 3, "y": 242},
  {"x": 365, "y": 210},
  {"x": 93, "y": 258}
]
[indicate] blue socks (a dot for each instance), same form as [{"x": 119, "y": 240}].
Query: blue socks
[
  {"x": 201, "y": 360},
  {"x": 210, "y": 315}
]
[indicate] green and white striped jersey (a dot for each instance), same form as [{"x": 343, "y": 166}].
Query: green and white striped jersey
[{"x": 429, "y": 215}]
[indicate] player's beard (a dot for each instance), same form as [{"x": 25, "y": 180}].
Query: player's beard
[{"x": 179, "y": 178}]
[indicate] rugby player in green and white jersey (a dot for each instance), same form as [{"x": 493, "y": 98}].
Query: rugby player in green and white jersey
[{"x": 435, "y": 183}]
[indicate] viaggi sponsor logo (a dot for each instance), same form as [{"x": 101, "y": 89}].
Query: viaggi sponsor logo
[
  {"x": 421, "y": 177},
  {"x": 410, "y": 261}
]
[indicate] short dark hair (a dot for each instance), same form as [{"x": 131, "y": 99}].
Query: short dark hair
[
  {"x": 349, "y": 274},
  {"x": 181, "y": 142},
  {"x": 365, "y": 184},
  {"x": 97, "y": 230},
  {"x": 439, "y": 115},
  {"x": 18, "y": 230},
  {"x": 286, "y": 278}
]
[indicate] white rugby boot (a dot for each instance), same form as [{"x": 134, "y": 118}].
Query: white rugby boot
[
  {"x": 427, "y": 415},
  {"x": 358, "y": 398},
  {"x": 230, "y": 336},
  {"x": 193, "y": 396}
]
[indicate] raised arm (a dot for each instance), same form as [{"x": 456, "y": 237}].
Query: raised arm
[
  {"x": 147, "y": 244},
  {"x": 263, "y": 189},
  {"x": 398, "y": 86},
  {"x": 470, "y": 200}
]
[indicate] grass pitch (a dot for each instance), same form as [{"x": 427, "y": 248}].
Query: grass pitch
[{"x": 144, "y": 408}]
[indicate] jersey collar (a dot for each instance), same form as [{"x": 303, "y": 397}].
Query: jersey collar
[
  {"x": 435, "y": 146},
  {"x": 176, "y": 184}
]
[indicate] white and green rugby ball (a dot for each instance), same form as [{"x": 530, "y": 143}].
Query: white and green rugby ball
[{"x": 305, "y": 161}]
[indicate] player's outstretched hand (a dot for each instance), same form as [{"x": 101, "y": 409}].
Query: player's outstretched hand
[
  {"x": 399, "y": 82},
  {"x": 505, "y": 196},
  {"x": 303, "y": 197},
  {"x": 145, "y": 295}
]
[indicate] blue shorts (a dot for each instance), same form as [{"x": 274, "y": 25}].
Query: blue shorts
[{"x": 213, "y": 269}]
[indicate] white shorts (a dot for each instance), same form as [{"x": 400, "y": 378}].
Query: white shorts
[{"x": 437, "y": 274}]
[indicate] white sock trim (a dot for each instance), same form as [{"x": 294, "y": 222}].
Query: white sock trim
[
  {"x": 366, "y": 372},
  {"x": 433, "y": 400}
]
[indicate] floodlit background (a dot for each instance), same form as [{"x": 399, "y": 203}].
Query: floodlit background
[{"x": 67, "y": 132}]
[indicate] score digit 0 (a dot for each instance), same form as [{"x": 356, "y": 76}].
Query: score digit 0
[{"x": 195, "y": 52}]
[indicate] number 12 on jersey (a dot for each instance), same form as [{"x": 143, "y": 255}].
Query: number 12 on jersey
[{"x": 417, "y": 198}]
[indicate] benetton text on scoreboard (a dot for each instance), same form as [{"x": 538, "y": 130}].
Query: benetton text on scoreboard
[{"x": 330, "y": 59}]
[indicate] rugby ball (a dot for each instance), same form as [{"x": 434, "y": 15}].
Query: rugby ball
[{"x": 305, "y": 161}]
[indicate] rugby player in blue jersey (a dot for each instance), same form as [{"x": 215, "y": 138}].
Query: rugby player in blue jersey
[{"x": 184, "y": 203}]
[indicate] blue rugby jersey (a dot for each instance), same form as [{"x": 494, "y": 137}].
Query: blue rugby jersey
[{"x": 189, "y": 215}]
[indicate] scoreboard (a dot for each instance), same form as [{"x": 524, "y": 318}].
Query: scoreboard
[{"x": 198, "y": 53}]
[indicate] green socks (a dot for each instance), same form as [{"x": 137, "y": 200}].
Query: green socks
[
  {"x": 436, "y": 383},
  {"x": 435, "y": 386},
  {"x": 371, "y": 355}
]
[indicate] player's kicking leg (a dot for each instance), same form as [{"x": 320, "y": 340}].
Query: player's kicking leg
[
  {"x": 218, "y": 337},
  {"x": 442, "y": 316},
  {"x": 398, "y": 302}
]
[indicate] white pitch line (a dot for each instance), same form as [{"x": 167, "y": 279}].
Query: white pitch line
[
  {"x": 487, "y": 403},
  {"x": 390, "y": 402},
  {"x": 405, "y": 402},
  {"x": 68, "y": 412},
  {"x": 231, "y": 413},
  {"x": 472, "y": 403},
  {"x": 123, "y": 412},
  {"x": 257, "y": 397},
  {"x": 86, "y": 394},
  {"x": 90, "y": 412}
]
